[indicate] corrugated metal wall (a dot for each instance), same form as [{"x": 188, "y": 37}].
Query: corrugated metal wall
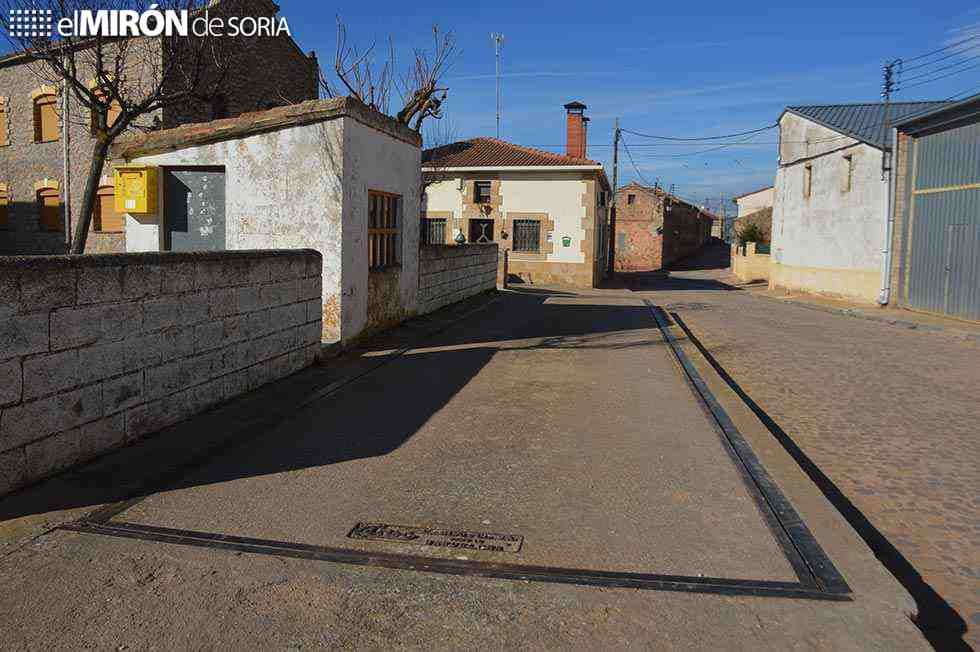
[{"x": 944, "y": 243}]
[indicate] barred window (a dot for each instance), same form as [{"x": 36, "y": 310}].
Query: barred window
[
  {"x": 527, "y": 236},
  {"x": 382, "y": 229},
  {"x": 433, "y": 231},
  {"x": 481, "y": 192}
]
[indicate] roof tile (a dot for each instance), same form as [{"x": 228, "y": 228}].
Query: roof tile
[{"x": 491, "y": 152}]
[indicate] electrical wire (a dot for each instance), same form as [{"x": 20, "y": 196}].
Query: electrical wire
[
  {"x": 903, "y": 80},
  {"x": 905, "y": 68},
  {"x": 929, "y": 81},
  {"x": 743, "y": 133},
  {"x": 943, "y": 49}
]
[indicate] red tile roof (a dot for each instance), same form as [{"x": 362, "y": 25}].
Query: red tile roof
[{"x": 491, "y": 152}]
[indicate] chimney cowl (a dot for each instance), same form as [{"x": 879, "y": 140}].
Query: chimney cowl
[{"x": 576, "y": 134}]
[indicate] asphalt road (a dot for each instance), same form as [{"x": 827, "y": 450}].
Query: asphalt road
[{"x": 559, "y": 418}]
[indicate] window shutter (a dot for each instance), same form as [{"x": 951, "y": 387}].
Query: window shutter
[
  {"x": 106, "y": 219},
  {"x": 4, "y": 125},
  {"x": 45, "y": 119},
  {"x": 49, "y": 206}
]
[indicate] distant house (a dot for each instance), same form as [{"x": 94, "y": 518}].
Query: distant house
[
  {"x": 831, "y": 198},
  {"x": 547, "y": 210},
  {"x": 655, "y": 228},
  {"x": 754, "y": 201},
  {"x": 754, "y": 208},
  {"x": 934, "y": 258},
  {"x": 330, "y": 175}
]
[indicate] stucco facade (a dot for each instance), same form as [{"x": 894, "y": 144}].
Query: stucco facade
[
  {"x": 303, "y": 183},
  {"x": 262, "y": 71},
  {"x": 754, "y": 201},
  {"x": 567, "y": 203},
  {"x": 828, "y": 211}
]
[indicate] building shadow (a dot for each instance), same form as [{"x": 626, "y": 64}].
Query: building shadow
[{"x": 307, "y": 420}]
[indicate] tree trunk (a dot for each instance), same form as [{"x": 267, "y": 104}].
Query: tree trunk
[{"x": 100, "y": 152}]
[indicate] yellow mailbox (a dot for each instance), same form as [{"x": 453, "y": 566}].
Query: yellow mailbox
[{"x": 136, "y": 189}]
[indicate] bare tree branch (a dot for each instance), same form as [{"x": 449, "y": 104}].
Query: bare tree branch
[{"x": 421, "y": 94}]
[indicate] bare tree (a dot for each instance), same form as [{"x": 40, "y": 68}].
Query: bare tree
[
  {"x": 419, "y": 89},
  {"x": 132, "y": 79}
]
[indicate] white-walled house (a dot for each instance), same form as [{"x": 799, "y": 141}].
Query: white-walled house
[
  {"x": 330, "y": 175},
  {"x": 547, "y": 210},
  {"x": 754, "y": 201},
  {"x": 830, "y": 207}
]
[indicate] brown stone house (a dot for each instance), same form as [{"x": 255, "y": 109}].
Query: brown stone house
[
  {"x": 655, "y": 228},
  {"x": 264, "y": 71},
  {"x": 547, "y": 210}
]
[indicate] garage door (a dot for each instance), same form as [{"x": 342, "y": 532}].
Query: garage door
[{"x": 944, "y": 252}]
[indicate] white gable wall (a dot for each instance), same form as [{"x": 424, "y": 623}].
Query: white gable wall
[{"x": 831, "y": 242}]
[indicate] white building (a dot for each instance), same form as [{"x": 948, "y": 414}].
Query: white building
[
  {"x": 547, "y": 210},
  {"x": 830, "y": 207},
  {"x": 754, "y": 201},
  {"x": 331, "y": 175}
]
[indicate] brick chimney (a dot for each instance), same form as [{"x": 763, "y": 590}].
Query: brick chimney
[{"x": 575, "y": 141}]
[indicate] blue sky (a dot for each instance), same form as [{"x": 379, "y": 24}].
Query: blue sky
[
  {"x": 671, "y": 68},
  {"x": 686, "y": 69}
]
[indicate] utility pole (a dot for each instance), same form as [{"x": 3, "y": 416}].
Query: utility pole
[
  {"x": 611, "y": 262},
  {"x": 498, "y": 42},
  {"x": 887, "y": 86}
]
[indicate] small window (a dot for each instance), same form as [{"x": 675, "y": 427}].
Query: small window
[
  {"x": 807, "y": 179},
  {"x": 630, "y": 199},
  {"x": 382, "y": 229},
  {"x": 111, "y": 116},
  {"x": 219, "y": 107},
  {"x": 46, "y": 126},
  {"x": 527, "y": 236},
  {"x": 4, "y": 208},
  {"x": 848, "y": 174},
  {"x": 481, "y": 192},
  {"x": 602, "y": 198},
  {"x": 49, "y": 209},
  {"x": 106, "y": 219},
  {"x": 433, "y": 231}
]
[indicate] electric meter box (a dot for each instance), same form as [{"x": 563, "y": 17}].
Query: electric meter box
[{"x": 136, "y": 189}]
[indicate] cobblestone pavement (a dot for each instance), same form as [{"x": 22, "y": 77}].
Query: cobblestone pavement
[{"x": 890, "y": 415}]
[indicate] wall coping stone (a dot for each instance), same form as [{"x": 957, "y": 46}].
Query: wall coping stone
[{"x": 8, "y": 263}]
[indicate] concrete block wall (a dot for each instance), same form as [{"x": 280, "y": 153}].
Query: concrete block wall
[
  {"x": 450, "y": 273},
  {"x": 97, "y": 351}
]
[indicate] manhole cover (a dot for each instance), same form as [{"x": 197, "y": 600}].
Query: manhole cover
[
  {"x": 438, "y": 537},
  {"x": 688, "y": 306}
]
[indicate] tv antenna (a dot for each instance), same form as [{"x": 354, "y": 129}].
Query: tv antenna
[{"x": 498, "y": 42}]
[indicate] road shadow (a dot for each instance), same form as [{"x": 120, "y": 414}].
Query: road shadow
[
  {"x": 714, "y": 255},
  {"x": 294, "y": 423},
  {"x": 938, "y": 621}
]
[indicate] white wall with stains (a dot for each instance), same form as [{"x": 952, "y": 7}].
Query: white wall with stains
[{"x": 306, "y": 187}]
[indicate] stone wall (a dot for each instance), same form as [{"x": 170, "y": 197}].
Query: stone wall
[
  {"x": 97, "y": 351},
  {"x": 452, "y": 273}
]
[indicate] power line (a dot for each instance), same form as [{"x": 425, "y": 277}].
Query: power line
[
  {"x": 743, "y": 133},
  {"x": 943, "y": 58},
  {"x": 929, "y": 81},
  {"x": 943, "y": 49},
  {"x": 932, "y": 72}
]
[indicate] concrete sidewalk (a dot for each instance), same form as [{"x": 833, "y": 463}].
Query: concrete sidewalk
[{"x": 557, "y": 418}]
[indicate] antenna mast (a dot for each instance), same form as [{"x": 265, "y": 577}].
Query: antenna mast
[{"x": 498, "y": 42}]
